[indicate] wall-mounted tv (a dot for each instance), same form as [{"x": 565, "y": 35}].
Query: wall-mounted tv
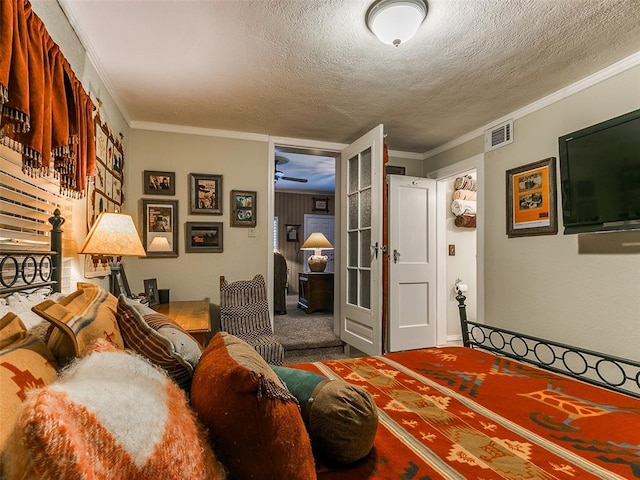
[{"x": 600, "y": 176}]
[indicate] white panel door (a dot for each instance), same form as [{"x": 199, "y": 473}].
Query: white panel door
[
  {"x": 412, "y": 263},
  {"x": 361, "y": 240},
  {"x": 323, "y": 224}
]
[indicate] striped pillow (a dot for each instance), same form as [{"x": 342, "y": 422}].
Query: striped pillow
[
  {"x": 85, "y": 315},
  {"x": 159, "y": 339}
]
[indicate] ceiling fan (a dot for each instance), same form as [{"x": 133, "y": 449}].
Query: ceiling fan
[{"x": 279, "y": 175}]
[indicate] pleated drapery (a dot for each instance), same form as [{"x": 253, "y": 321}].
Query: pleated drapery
[{"x": 46, "y": 115}]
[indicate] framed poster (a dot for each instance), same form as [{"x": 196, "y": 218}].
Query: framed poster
[
  {"x": 203, "y": 237},
  {"x": 531, "y": 199},
  {"x": 243, "y": 208},
  {"x": 160, "y": 219},
  {"x": 205, "y": 194},
  {"x": 159, "y": 183}
]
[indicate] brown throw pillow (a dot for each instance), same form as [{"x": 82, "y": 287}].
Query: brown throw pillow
[{"x": 254, "y": 422}]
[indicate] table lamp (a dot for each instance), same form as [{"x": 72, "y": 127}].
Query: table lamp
[
  {"x": 112, "y": 236},
  {"x": 317, "y": 242}
]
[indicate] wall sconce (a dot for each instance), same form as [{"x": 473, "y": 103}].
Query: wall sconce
[
  {"x": 317, "y": 242},
  {"x": 396, "y": 21}
]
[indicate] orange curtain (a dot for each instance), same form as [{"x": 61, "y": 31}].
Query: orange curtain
[{"x": 46, "y": 114}]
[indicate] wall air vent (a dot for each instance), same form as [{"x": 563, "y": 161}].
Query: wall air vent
[{"x": 498, "y": 136}]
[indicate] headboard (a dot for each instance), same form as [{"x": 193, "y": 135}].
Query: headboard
[
  {"x": 29, "y": 268},
  {"x": 610, "y": 372}
]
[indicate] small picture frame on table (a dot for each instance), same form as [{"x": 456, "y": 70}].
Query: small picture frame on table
[
  {"x": 159, "y": 183},
  {"x": 151, "y": 291},
  {"x": 205, "y": 194},
  {"x": 531, "y": 199},
  {"x": 243, "y": 208}
]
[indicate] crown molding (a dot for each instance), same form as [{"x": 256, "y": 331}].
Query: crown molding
[{"x": 205, "y": 132}]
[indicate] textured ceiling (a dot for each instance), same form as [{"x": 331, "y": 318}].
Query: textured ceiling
[{"x": 311, "y": 69}]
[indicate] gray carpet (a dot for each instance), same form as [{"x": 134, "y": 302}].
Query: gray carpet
[{"x": 306, "y": 338}]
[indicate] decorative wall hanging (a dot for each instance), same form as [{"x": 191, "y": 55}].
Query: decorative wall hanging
[
  {"x": 243, "y": 208},
  {"x": 205, "y": 194},
  {"x": 531, "y": 199},
  {"x": 105, "y": 190}
]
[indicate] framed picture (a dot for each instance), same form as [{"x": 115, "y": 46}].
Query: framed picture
[
  {"x": 159, "y": 183},
  {"x": 151, "y": 291},
  {"x": 160, "y": 227},
  {"x": 292, "y": 233},
  {"x": 203, "y": 237},
  {"x": 205, "y": 194},
  {"x": 320, "y": 204},
  {"x": 243, "y": 208},
  {"x": 531, "y": 199}
]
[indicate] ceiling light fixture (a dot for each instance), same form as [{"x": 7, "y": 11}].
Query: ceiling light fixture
[{"x": 396, "y": 21}]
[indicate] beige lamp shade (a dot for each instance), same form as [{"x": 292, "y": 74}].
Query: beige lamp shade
[
  {"x": 113, "y": 234},
  {"x": 159, "y": 244},
  {"x": 317, "y": 242}
]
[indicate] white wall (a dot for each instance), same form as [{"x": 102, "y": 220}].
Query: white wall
[{"x": 542, "y": 285}]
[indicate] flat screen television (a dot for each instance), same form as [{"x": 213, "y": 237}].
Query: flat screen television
[{"x": 600, "y": 176}]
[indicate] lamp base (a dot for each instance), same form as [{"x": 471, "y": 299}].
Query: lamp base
[{"x": 317, "y": 263}]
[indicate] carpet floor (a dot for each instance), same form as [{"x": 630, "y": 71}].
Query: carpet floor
[{"x": 306, "y": 337}]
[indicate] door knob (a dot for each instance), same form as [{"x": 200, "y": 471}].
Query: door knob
[{"x": 396, "y": 255}]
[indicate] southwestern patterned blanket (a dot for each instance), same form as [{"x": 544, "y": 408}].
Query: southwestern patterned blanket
[{"x": 456, "y": 413}]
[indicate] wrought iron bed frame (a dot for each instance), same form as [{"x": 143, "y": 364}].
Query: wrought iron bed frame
[
  {"x": 30, "y": 270},
  {"x": 613, "y": 373}
]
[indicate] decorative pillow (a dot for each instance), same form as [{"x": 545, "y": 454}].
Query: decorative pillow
[
  {"x": 81, "y": 317},
  {"x": 341, "y": 418},
  {"x": 159, "y": 339},
  {"x": 112, "y": 415},
  {"x": 254, "y": 422},
  {"x": 25, "y": 363}
]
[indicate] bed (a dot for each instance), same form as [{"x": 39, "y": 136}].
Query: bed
[{"x": 505, "y": 405}]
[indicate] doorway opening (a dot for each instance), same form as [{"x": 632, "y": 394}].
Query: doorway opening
[{"x": 304, "y": 201}]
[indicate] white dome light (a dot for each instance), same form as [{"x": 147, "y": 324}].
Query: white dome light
[{"x": 396, "y": 21}]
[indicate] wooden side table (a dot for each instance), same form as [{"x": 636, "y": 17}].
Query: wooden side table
[
  {"x": 192, "y": 316},
  {"x": 315, "y": 291}
]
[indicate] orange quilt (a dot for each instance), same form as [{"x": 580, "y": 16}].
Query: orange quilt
[{"x": 455, "y": 413}]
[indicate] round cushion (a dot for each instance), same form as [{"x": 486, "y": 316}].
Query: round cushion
[{"x": 341, "y": 418}]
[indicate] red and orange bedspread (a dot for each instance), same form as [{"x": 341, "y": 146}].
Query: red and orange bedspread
[{"x": 455, "y": 413}]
